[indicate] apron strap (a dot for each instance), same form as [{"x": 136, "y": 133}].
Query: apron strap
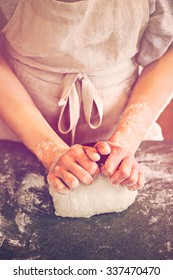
[
  {"x": 92, "y": 103},
  {"x": 71, "y": 101}
]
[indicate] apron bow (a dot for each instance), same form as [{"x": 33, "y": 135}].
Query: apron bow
[{"x": 77, "y": 91}]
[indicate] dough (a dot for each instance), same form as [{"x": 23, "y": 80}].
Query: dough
[{"x": 99, "y": 197}]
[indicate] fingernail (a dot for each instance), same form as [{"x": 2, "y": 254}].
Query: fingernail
[
  {"x": 74, "y": 187},
  {"x": 96, "y": 156},
  {"x": 87, "y": 181}
]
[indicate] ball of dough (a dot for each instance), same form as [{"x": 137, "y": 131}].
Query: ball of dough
[{"x": 88, "y": 200}]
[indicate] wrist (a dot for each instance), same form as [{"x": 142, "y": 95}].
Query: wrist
[
  {"x": 47, "y": 150},
  {"x": 123, "y": 139},
  {"x": 44, "y": 143}
]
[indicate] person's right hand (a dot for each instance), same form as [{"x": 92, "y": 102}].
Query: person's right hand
[{"x": 78, "y": 164}]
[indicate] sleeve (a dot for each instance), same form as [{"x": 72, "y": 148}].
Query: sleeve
[{"x": 158, "y": 36}]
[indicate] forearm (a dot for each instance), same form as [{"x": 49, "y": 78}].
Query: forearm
[
  {"x": 20, "y": 113},
  {"x": 151, "y": 94}
]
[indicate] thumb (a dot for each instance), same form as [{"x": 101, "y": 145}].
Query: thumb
[{"x": 103, "y": 148}]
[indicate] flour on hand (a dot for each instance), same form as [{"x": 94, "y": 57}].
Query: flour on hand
[{"x": 99, "y": 197}]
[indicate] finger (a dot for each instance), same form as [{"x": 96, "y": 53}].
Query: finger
[
  {"x": 132, "y": 179},
  {"x": 57, "y": 184},
  {"x": 91, "y": 153},
  {"x": 123, "y": 172},
  {"x": 103, "y": 148},
  {"x": 140, "y": 183},
  {"x": 112, "y": 163},
  {"x": 90, "y": 166},
  {"x": 67, "y": 178},
  {"x": 80, "y": 173}
]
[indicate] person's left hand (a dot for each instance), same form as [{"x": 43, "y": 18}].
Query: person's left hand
[{"x": 121, "y": 166}]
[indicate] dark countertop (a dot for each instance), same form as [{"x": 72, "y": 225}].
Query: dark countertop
[{"x": 30, "y": 230}]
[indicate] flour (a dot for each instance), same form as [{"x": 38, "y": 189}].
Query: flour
[
  {"x": 99, "y": 197},
  {"x": 157, "y": 173},
  {"x": 46, "y": 146}
]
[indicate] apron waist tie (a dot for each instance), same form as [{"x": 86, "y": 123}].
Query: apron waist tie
[{"x": 71, "y": 102}]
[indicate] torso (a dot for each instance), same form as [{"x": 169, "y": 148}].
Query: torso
[{"x": 92, "y": 42}]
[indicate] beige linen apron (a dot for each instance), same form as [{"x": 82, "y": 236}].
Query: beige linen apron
[{"x": 77, "y": 61}]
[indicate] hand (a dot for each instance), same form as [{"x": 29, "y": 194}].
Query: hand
[
  {"x": 77, "y": 164},
  {"x": 121, "y": 166}
]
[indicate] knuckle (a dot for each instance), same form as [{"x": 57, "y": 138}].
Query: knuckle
[
  {"x": 117, "y": 150},
  {"x": 113, "y": 181},
  {"x": 63, "y": 159},
  {"x": 77, "y": 146},
  {"x": 77, "y": 149},
  {"x": 132, "y": 180},
  {"x": 124, "y": 173},
  {"x": 108, "y": 167},
  {"x": 99, "y": 144},
  {"x": 104, "y": 171},
  {"x": 107, "y": 171},
  {"x": 57, "y": 169},
  {"x": 93, "y": 168}
]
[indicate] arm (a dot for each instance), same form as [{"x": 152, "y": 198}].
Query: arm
[
  {"x": 151, "y": 94},
  {"x": 20, "y": 113}
]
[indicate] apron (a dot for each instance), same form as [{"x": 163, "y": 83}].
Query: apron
[{"x": 74, "y": 61}]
